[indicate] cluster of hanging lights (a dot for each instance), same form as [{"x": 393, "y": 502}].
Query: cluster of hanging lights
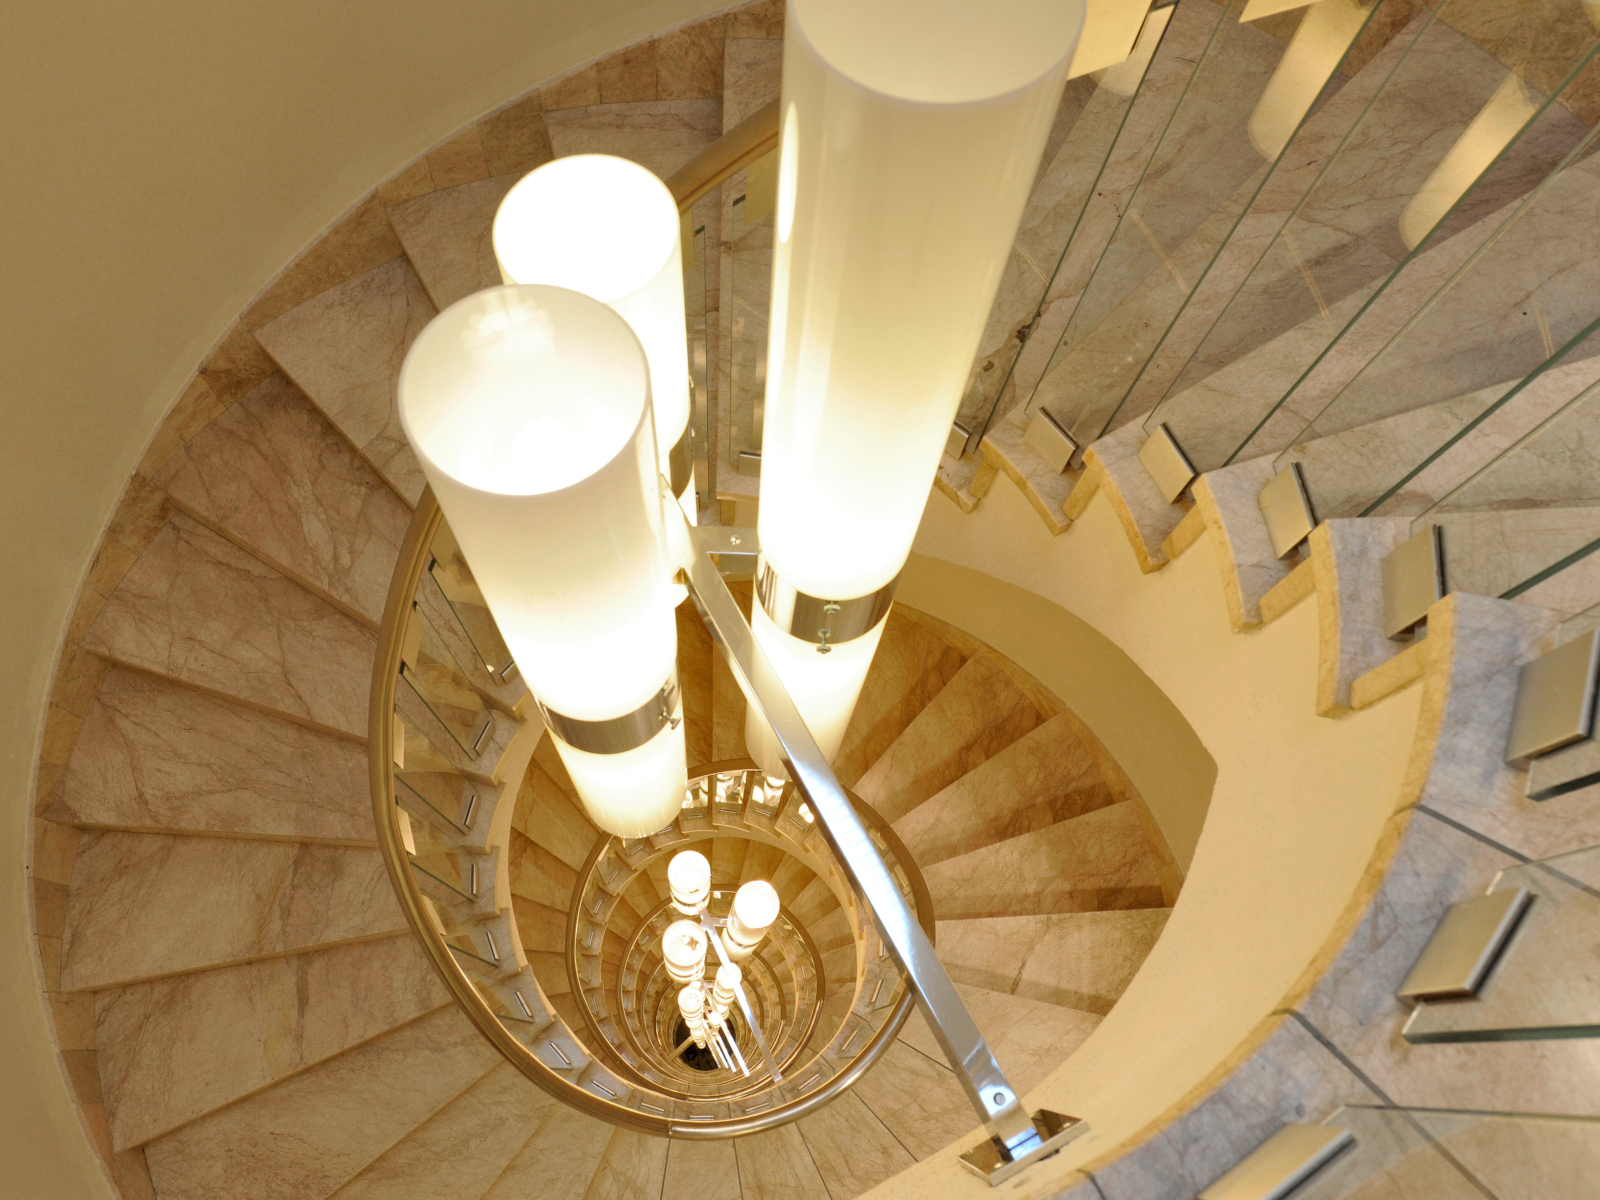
[
  {"x": 551, "y": 414},
  {"x": 686, "y": 942}
]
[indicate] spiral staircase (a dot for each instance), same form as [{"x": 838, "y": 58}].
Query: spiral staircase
[{"x": 240, "y": 1003}]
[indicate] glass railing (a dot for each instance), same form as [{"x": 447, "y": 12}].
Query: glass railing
[
  {"x": 1473, "y": 117},
  {"x": 1544, "y": 985},
  {"x": 1042, "y": 281},
  {"x": 1444, "y": 1154},
  {"x": 1256, "y": 86}
]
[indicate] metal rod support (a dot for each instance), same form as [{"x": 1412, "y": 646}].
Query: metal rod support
[
  {"x": 975, "y": 1066},
  {"x": 744, "y": 1007}
]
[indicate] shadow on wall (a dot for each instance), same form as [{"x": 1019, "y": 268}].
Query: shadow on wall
[{"x": 1142, "y": 729}]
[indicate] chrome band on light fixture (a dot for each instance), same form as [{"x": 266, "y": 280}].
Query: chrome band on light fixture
[
  {"x": 617, "y": 735},
  {"x": 680, "y": 464},
  {"x": 812, "y": 619}
]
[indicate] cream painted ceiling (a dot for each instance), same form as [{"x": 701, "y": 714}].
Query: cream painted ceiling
[{"x": 162, "y": 162}]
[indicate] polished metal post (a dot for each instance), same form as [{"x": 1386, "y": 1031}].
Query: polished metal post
[{"x": 1014, "y": 1133}]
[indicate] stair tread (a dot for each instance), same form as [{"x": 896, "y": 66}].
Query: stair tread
[
  {"x": 1097, "y": 861},
  {"x": 551, "y": 818},
  {"x": 558, "y": 1161},
  {"x": 344, "y": 349},
  {"x": 701, "y": 1171},
  {"x": 174, "y": 1049},
  {"x": 459, "y": 1152},
  {"x": 910, "y": 668},
  {"x": 302, "y": 1138},
  {"x": 154, "y": 754},
  {"x": 1079, "y": 960},
  {"x": 632, "y": 1165},
  {"x": 1045, "y": 776},
  {"x": 778, "y": 1162},
  {"x": 447, "y": 237},
  {"x": 973, "y": 717},
  {"x": 1029, "y": 1038},
  {"x": 197, "y": 608},
  {"x": 918, "y": 1100},
  {"x": 854, "y": 1150},
  {"x": 273, "y": 473},
  {"x": 146, "y": 905},
  {"x": 695, "y": 655}
]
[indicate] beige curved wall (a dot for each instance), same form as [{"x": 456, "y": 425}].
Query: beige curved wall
[
  {"x": 1297, "y": 810},
  {"x": 1132, "y": 717},
  {"x": 162, "y": 163}
]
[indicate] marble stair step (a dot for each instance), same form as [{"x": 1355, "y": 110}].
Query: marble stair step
[
  {"x": 1098, "y": 861},
  {"x": 632, "y": 1165},
  {"x": 814, "y": 902},
  {"x": 1081, "y": 960},
  {"x": 344, "y": 349},
  {"x": 171, "y": 1050},
  {"x": 910, "y": 668},
  {"x": 727, "y": 701},
  {"x": 463, "y": 1148},
  {"x": 977, "y": 714},
  {"x": 918, "y": 1100},
  {"x": 143, "y": 906},
  {"x": 156, "y": 755},
  {"x": 549, "y": 817},
  {"x": 279, "y": 479},
  {"x": 1045, "y": 776},
  {"x": 831, "y": 931},
  {"x": 305, "y": 1137},
  {"x": 853, "y": 1150},
  {"x": 558, "y": 1161},
  {"x": 1029, "y": 1038},
  {"x": 779, "y": 1163},
  {"x": 197, "y": 608}
]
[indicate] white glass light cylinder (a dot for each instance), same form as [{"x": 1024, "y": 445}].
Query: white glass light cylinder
[
  {"x": 689, "y": 877},
  {"x": 722, "y": 991},
  {"x": 528, "y": 408},
  {"x": 692, "y": 1008},
  {"x": 755, "y": 908},
  {"x": 911, "y": 134},
  {"x": 609, "y": 228},
  {"x": 683, "y": 950}
]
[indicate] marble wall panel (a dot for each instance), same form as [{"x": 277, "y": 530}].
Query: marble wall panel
[
  {"x": 547, "y": 816},
  {"x": 558, "y": 1161},
  {"x": 448, "y": 236},
  {"x": 1073, "y": 960},
  {"x": 752, "y": 75},
  {"x": 763, "y": 19},
  {"x": 695, "y": 654},
  {"x": 659, "y": 134},
  {"x": 1046, "y": 775},
  {"x": 147, "y": 905},
  {"x": 156, "y": 755},
  {"x": 273, "y": 474},
  {"x": 537, "y": 874},
  {"x": 918, "y": 1100},
  {"x": 462, "y": 1149},
  {"x": 777, "y": 1165},
  {"x": 197, "y": 608},
  {"x": 973, "y": 717},
  {"x": 701, "y": 1171},
  {"x": 311, "y": 1133},
  {"x": 174, "y": 1049},
  {"x": 689, "y": 61},
  {"x": 345, "y": 348},
  {"x": 1097, "y": 861}
]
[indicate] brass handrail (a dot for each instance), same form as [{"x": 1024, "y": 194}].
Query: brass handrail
[{"x": 735, "y": 150}]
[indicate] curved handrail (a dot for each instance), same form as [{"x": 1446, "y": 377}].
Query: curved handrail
[
  {"x": 735, "y": 150},
  {"x": 415, "y": 554}
]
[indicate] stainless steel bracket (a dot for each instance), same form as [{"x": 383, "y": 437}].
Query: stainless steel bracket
[{"x": 1014, "y": 1138}]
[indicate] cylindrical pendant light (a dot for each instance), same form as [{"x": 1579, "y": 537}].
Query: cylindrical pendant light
[
  {"x": 683, "y": 950},
  {"x": 755, "y": 908},
  {"x": 529, "y": 410},
  {"x": 911, "y": 134},
  {"x": 609, "y": 228},
  {"x": 689, "y": 877}
]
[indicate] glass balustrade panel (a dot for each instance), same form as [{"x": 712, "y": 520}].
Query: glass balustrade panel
[
  {"x": 443, "y": 686},
  {"x": 1546, "y": 982},
  {"x": 697, "y": 312},
  {"x": 1034, "y": 299},
  {"x": 1442, "y": 1154},
  {"x": 1510, "y": 337},
  {"x": 1465, "y": 126},
  {"x": 1261, "y": 86},
  {"x": 1522, "y": 524}
]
